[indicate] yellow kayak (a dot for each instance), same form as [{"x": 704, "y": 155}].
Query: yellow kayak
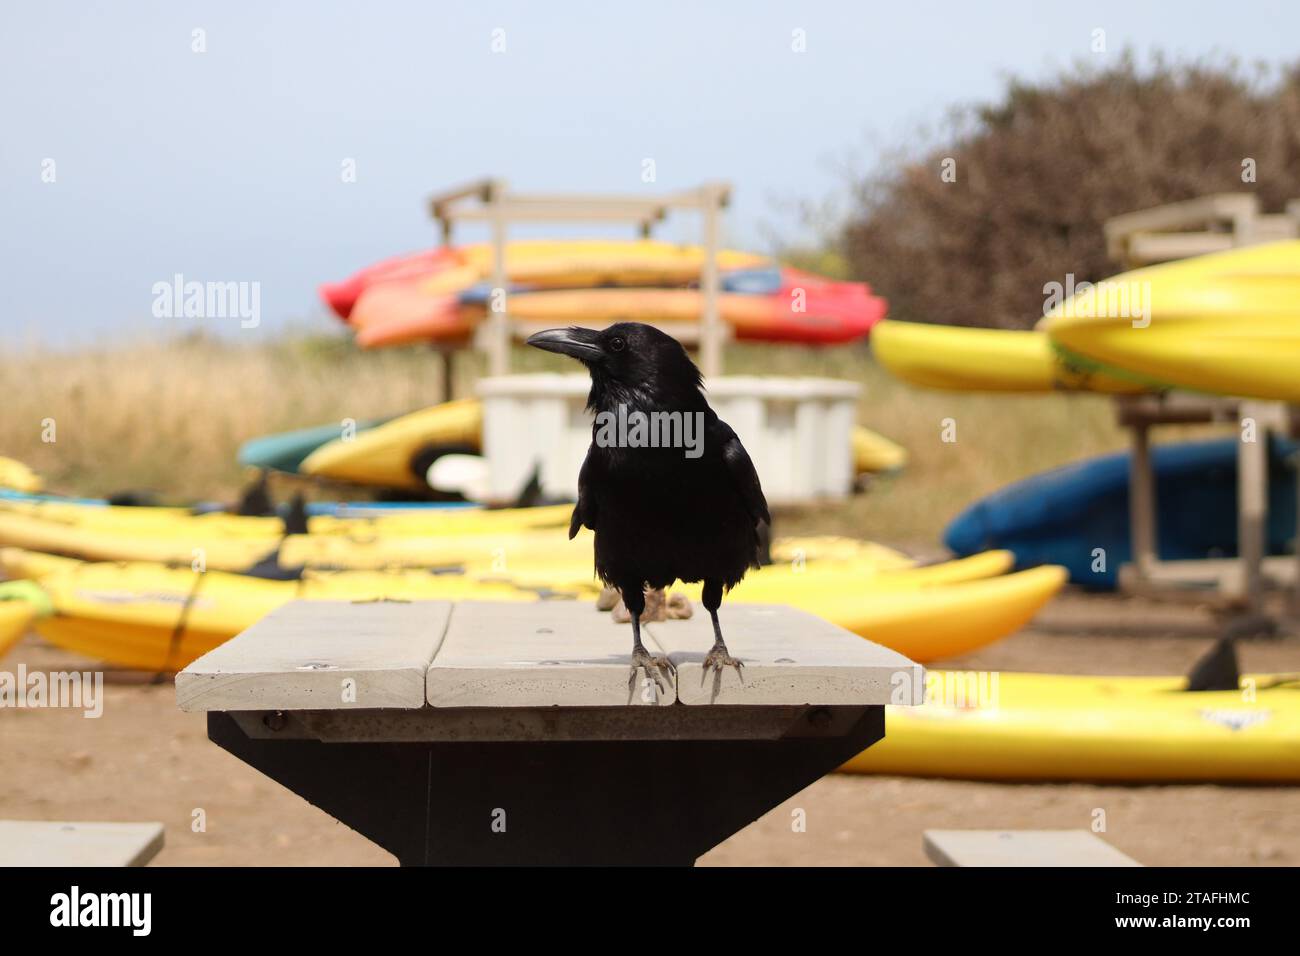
[
  {"x": 572, "y": 574},
  {"x": 793, "y": 549},
  {"x": 21, "y": 602},
  {"x": 388, "y": 454},
  {"x": 982, "y": 360},
  {"x": 15, "y": 620},
  {"x": 19, "y": 564},
  {"x": 1007, "y": 726},
  {"x": 874, "y": 453},
  {"x": 16, "y": 475},
  {"x": 181, "y": 523},
  {"x": 1227, "y": 323},
  {"x": 231, "y": 542},
  {"x": 930, "y": 624},
  {"x": 150, "y": 617},
  {"x": 220, "y": 552},
  {"x": 805, "y": 585}
]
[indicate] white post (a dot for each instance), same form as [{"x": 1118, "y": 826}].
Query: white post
[
  {"x": 1252, "y": 502},
  {"x": 498, "y": 317},
  {"x": 711, "y": 324},
  {"x": 1142, "y": 510}
]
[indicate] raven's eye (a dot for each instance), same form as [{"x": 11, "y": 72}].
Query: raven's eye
[{"x": 616, "y": 344}]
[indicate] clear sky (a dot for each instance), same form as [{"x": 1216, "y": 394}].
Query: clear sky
[{"x": 226, "y": 165}]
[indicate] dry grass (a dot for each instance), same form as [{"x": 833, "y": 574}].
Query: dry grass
[{"x": 169, "y": 417}]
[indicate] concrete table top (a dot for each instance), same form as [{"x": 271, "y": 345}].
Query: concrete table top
[
  {"x": 41, "y": 843},
  {"x": 1022, "y": 848},
  {"x": 337, "y": 655}
]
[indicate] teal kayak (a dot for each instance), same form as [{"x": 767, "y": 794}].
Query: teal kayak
[{"x": 285, "y": 451}]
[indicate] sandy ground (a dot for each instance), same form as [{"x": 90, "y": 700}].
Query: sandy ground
[{"x": 145, "y": 760}]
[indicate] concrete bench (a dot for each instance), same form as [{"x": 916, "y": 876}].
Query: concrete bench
[
  {"x": 1021, "y": 848},
  {"x": 488, "y": 732},
  {"x": 41, "y": 843}
]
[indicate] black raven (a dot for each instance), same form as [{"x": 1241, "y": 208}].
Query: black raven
[{"x": 666, "y": 485}]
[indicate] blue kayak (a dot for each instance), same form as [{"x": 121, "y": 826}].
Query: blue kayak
[
  {"x": 767, "y": 280},
  {"x": 1062, "y": 516}
]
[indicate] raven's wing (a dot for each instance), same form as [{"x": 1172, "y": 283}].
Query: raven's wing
[
  {"x": 584, "y": 512},
  {"x": 743, "y": 474}
]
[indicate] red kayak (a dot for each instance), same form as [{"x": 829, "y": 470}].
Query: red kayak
[{"x": 342, "y": 296}]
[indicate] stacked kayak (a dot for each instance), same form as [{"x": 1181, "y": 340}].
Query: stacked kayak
[
  {"x": 537, "y": 264},
  {"x": 396, "y": 453},
  {"x": 517, "y": 538},
  {"x": 151, "y": 616},
  {"x": 984, "y": 360},
  {"x": 380, "y": 540},
  {"x": 1062, "y": 516},
  {"x": 1226, "y": 323},
  {"x": 1006, "y": 726},
  {"x": 443, "y": 295}
]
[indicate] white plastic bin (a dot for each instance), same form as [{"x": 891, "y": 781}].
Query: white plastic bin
[{"x": 798, "y": 431}]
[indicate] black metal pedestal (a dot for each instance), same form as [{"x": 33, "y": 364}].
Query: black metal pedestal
[{"x": 663, "y": 795}]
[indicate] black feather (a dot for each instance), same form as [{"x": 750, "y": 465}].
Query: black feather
[{"x": 660, "y": 515}]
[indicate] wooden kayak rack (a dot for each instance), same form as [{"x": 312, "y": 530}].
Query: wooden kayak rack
[
  {"x": 1233, "y": 582},
  {"x": 510, "y": 733},
  {"x": 1195, "y": 227},
  {"x": 491, "y": 201}
]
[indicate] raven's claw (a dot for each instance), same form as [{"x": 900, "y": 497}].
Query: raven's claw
[
  {"x": 717, "y": 659},
  {"x": 657, "y": 668}
]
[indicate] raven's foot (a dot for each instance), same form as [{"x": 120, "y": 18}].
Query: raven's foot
[
  {"x": 660, "y": 669},
  {"x": 718, "y": 658}
]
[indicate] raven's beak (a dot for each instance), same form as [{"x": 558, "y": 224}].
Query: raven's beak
[{"x": 574, "y": 342}]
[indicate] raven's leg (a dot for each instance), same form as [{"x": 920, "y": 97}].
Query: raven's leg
[
  {"x": 657, "y": 668},
  {"x": 719, "y": 657}
]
